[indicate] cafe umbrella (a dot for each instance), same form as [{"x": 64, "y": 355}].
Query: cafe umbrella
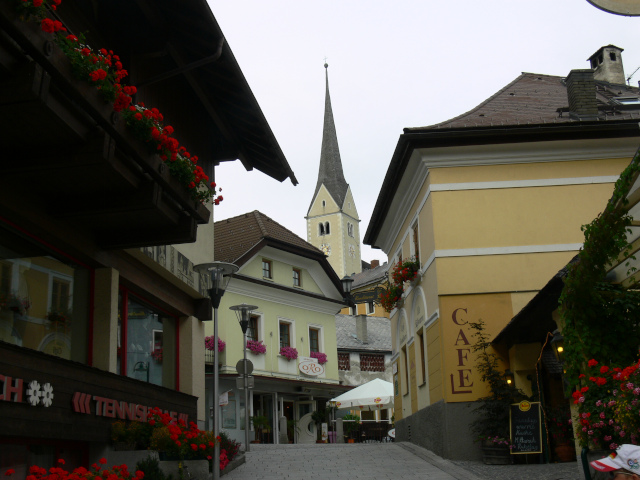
[{"x": 374, "y": 395}]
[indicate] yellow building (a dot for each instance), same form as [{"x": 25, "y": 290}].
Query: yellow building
[
  {"x": 491, "y": 202},
  {"x": 297, "y": 294}
]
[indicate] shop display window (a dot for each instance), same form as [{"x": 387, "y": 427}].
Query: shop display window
[
  {"x": 44, "y": 298},
  {"x": 147, "y": 341}
]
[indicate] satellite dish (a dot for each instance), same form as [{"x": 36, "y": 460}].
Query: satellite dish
[{"x": 630, "y": 8}]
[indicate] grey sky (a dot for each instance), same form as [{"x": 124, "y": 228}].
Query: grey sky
[{"x": 392, "y": 64}]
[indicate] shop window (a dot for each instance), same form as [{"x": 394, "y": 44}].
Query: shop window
[
  {"x": 297, "y": 277},
  {"x": 147, "y": 341},
  {"x": 44, "y": 298},
  {"x": 228, "y": 411},
  {"x": 344, "y": 362},
  {"x": 267, "y": 269},
  {"x": 252, "y": 329},
  {"x": 285, "y": 334},
  {"x": 371, "y": 362},
  {"x": 314, "y": 339}
]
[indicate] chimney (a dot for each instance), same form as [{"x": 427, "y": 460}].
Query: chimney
[
  {"x": 361, "y": 328},
  {"x": 375, "y": 264},
  {"x": 581, "y": 89},
  {"x": 606, "y": 64}
]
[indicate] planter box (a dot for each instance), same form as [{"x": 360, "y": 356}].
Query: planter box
[
  {"x": 496, "y": 454},
  {"x": 82, "y": 161},
  {"x": 196, "y": 468},
  {"x": 287, "y": 366},
  {"x": 129, "y": 457}
]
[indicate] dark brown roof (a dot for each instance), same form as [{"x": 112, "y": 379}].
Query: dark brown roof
[
  {"x": 235, "y": 237},
  {"x": 180, "y": 45},
  {"x": 532, "y": 108},
  {"x": 538, "y": 99}
]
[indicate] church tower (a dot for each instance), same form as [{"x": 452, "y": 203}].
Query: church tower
[{"x": 332, "y": 219}]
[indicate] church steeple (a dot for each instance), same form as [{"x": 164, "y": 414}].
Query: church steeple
[
  {"x": 332, "y": 219},
  {"x": 330, "y": 173}
]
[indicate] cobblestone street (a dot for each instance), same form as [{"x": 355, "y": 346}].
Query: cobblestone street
[{"x": 381, "y": 461}]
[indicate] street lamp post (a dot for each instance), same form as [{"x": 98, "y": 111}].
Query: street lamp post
[
  {"x": 220, "y": 274},
  {"x": 243, "y": 312}
]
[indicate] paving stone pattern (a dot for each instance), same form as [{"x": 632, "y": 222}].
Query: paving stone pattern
[{"x": 379, "y": 461}]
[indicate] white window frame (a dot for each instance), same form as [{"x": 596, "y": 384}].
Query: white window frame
[
  {"x": 320, "y": 336},
  {"x": 292, "y": 331}
]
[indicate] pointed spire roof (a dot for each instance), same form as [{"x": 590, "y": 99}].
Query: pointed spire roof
[{"x": 330, "y": 173}]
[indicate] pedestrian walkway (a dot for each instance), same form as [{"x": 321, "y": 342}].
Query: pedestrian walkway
[{"x": 380, "y": 461}]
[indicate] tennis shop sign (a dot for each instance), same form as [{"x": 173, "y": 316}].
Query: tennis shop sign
[
  {"x": 35, "y": 394},
  {"x": 41, "y": 394},
  {"x": 109, "y": 407}
]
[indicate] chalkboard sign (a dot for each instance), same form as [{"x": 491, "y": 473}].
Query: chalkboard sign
[{"x": 526, "y": 427}]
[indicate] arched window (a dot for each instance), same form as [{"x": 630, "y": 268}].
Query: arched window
[
  {"x": 320, "y": 229},
  {"x": 350, "y": 229},
  {"x": 327, "y": 229}
]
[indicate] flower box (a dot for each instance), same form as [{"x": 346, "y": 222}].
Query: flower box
[{"x": 83, "y": 150}]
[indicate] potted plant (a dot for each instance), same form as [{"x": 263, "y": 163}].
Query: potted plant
[
  {"x": 319, "y": 417},
  {"x": 260, "y": 423},
  {"x": 351, "y": 425},
  {"x": 492, "y": 422}
]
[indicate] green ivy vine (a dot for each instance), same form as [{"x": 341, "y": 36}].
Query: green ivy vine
[{"x": 600, "y": 319}]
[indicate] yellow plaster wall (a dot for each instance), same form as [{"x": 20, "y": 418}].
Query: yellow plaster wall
[
  {"x": 499, "y": 273},
  {"x": 282, "y": 273},
  {"x": 271, "y": 312},
  {"x": 514, "y": 216},
  {"x": 434, "y": 362},
  {"x": 529, "y": 171},
  {"x": 522, "y": 357}
]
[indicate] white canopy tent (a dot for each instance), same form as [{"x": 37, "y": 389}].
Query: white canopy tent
[{"x": 374, "y": 395}]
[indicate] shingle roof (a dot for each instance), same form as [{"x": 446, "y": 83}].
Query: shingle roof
[
  {"x": 373, "y": 275},
  {"x": 534, "y": 98},
  {"x": 378, "y": 333},
  {"x": 236, "y": 236}
]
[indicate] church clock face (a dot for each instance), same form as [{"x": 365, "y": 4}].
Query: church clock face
[
  {"x": 352, "y": 251},
  {"x": 326, "y": 248}
]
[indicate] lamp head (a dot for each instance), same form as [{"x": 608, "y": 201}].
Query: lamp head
[
  {"x": 557, "y": 342},
  {"x": 219, "y": 274},
  {"x": 243, "y": 313}
]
